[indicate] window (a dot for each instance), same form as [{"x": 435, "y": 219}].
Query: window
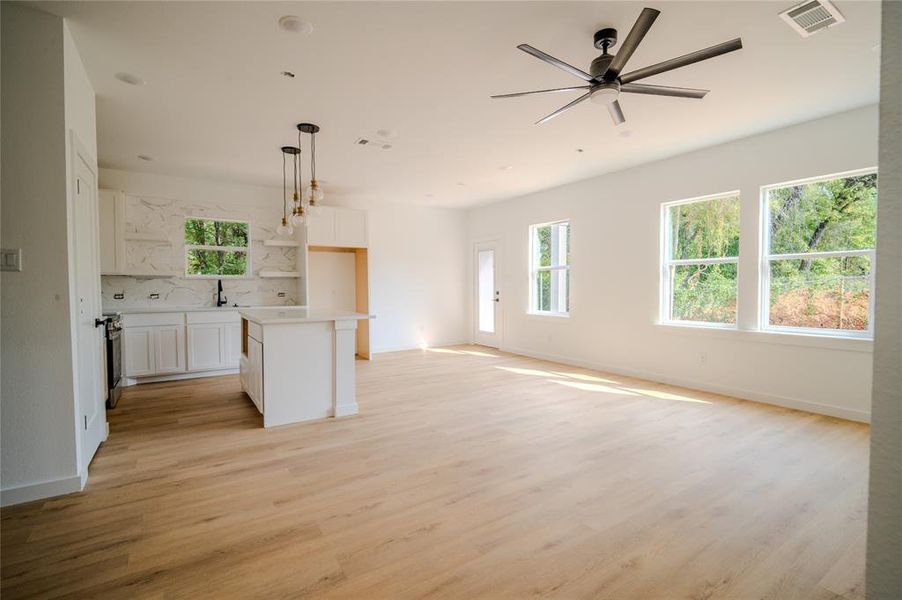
[
  {"x": 818, "y": 265},
  {"x": 550, "y": 269},
  {"x": 700, "y": 242},
  {"x": 216, "y": 248}
]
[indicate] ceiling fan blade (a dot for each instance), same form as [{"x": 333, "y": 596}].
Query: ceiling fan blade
[
  {"x": 564, "y": 108},
  {"x": 662, "y": 90},
  {"x": 566, "y": 89},
  {"x": 616, "y": 113},
  {"x": 553, "y": 61},
  {"x": 632, "y": 41},
  {"x": 682, "y": 61}
]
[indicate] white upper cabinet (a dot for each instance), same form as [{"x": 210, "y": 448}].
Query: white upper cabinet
[
  {"x": 112, "y": 228},
  {"x": 337, "y": 227}
]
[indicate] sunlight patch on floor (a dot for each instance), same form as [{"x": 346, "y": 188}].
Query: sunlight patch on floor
[
  {"x": 583, "y": 377},
  {"x": 520, "y": 371},
  {"x": 666, "y": 395},
  {"x": 594, "y": 387}
]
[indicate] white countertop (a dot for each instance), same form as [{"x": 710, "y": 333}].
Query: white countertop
[
  {"x": 129, "y": 310},
  {"x": 298, "y": 314}
]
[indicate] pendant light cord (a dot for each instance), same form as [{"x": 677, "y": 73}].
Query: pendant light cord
[{"x": 313, "y": 156}]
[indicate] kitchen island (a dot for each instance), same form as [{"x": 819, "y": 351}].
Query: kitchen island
[{"x": 297, "y": 364}]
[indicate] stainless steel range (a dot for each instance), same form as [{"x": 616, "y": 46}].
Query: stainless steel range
[{"x": 113, "y": 328}]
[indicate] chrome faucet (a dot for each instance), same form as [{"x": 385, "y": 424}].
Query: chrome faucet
[{"x": 220, "y": 299}]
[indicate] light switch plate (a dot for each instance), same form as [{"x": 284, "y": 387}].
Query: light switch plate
[{"x": 11, "y": 259}]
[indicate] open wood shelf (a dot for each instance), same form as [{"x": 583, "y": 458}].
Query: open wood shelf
[{"x": 279, "y": 274}]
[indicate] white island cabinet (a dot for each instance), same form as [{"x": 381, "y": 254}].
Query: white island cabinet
[{"x": 297, "y": 364}]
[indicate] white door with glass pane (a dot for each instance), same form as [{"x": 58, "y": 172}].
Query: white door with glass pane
[{"x": 488, "y": 296}]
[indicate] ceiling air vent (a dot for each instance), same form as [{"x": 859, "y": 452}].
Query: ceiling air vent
[
  {"x": 808, "y": 18},
  {"x": 371, "y": 143}
]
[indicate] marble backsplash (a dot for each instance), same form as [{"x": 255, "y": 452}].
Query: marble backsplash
[
  {"x": 160, "y": 260},
  {"x": 177, "y": 291}
]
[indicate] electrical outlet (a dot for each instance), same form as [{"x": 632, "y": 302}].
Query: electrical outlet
[
  {"x": 281, "y": 294},
  {"x": 11, "y": 259},
  {"x": 703, "y": 358},
  {"x": 118, "y": 296},
  {"x": 154, "y": 296}
]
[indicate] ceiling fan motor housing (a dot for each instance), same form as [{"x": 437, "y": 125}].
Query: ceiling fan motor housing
[{"x": 599, "y": 66}]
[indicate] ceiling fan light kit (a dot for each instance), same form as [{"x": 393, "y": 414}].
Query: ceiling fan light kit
[{"x": 604, "y": 82}]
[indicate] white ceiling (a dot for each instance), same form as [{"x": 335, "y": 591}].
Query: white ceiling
[{"x": 215, "y": 105}]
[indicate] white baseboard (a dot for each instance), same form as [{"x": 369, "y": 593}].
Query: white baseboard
[
  {"x": 129, "y": 381},
  {"x": 741, "y": 393},
  {"x": 344, "y": 410},
  {"x": 43, "y": 489}
]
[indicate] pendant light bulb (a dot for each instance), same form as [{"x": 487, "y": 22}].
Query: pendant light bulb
[
  {"x": 297, "y": 216},
  {"x": 284, "y": 227}
]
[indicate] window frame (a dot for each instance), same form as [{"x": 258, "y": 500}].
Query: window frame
[
  {"x": 535, "y": 269},
  {"x": 667, "y": 263},
  {"x": 765, "y": 259},
  {"x": 248, "y": 270}
]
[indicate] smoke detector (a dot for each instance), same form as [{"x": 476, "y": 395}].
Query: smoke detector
[
  {"x": 294, "y": 24},
  {"x": 808, "y": 18}
]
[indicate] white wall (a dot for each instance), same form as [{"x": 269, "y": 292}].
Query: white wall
[
  {"x": 884, "y": 562},
  {"x": 45, "y": 93},
  {"x": 417, "y": 264},
  {"x": 615, "y": 222}
]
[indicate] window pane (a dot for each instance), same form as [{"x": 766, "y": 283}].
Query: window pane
[
  {"x": 838, "y": 214},
  {"x": 206, "y": 232},
  {"x": 825, "y": 293},
  {"x": 543, "y": 246},
  {"x": 561, "y": 294},
  {"x": 486, "y": 291},
  {"x": 704, "y": 293},
  {"x": 216, "y": 262},
  {"x": 543, "y": 291},
  {"x": 705, "y": 229}
]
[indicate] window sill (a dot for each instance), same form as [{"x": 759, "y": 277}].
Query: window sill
[
  {"x": 807, "y": 340},
  {"x": 549, "y": 315},
  {"x": 214, "y": 277}
]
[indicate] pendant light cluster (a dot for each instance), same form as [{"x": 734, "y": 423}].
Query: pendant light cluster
[{"x": 314, "y": 195}]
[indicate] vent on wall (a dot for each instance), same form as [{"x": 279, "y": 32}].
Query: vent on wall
[{"x": 810, "y": 17}]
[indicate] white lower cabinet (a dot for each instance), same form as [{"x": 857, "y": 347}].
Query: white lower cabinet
[
  {"x": 173, "y": 343},
  {"x": 169, "y": 349},
  {"x": 206, "y": 346},
  {"x": 137, "y": 347}
]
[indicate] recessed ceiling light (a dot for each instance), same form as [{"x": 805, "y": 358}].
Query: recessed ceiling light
[
  {"x": 129, "y": 78},
  {"x": 505, "y": 167},
  {"x": 430, "y": 195},
  {"x": 625, "y": 133},
  {"x": 293, "y": 24},
  {"x": 386, "y": 133},
  {"x": 461, "y": 184},
  {"x": 145, "y": 157}
]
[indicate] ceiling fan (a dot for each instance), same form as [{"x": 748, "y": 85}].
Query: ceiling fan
[{"x": 604, "y": 81}]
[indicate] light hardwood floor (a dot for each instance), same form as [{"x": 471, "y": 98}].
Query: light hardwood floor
[{"x": 468, "y": 473}]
